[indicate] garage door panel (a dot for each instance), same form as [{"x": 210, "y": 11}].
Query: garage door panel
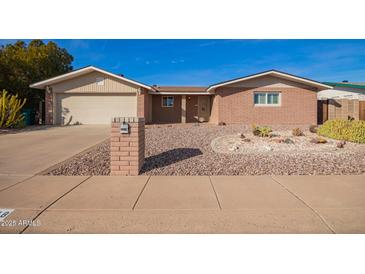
[{"x": 94, "y": 108}]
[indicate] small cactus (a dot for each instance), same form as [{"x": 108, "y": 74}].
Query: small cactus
[{"x": 261, "y": 131}]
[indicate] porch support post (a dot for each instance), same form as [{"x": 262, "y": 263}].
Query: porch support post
[{"x": 183, "y": 109}]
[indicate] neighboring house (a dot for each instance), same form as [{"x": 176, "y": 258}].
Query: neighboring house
[
  {"x": 343, "y": 90},
  {"x": 93, "y": 96},
  {"x": 346, "y": 100}
]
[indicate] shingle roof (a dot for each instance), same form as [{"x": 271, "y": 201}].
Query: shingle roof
[{"x": 346, "y": 84}]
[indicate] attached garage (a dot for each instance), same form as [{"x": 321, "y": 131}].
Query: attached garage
[
  {"x": 92, "y": 108},
  {"x": 92, "y": 96}
]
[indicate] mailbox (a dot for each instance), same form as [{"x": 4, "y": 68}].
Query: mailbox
[{"x": 124, "y": 128}]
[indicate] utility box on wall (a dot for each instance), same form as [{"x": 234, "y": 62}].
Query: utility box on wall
[
  {"x": 127, "y": 145},
  {"x": 124, "y": 128}
]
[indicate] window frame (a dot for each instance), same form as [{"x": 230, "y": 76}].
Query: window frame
[
  {"x": 173, "y": 101},
  {"x": 266, "y": 104}
]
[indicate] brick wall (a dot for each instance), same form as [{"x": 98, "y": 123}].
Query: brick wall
[
  {"x": 236, "y": 105},
  {"x": 166, "y": 114},
  {"x": 48, "y": 107},
  {"x": 143, "y": 105},
  {"x": 214, "y": 110},
  {"x": 127, "y": 150}
]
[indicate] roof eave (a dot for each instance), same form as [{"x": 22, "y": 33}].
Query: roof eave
[
  {"x": 271, "y": 72},
  {"x": 178, "y": 93},
  {"x": 72, "y": 74}
]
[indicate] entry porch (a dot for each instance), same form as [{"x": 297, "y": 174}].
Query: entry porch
[{"x": 180, "y": 108}]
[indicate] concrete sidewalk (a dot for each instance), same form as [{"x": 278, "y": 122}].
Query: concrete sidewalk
[{"x": 197, "y": 204}]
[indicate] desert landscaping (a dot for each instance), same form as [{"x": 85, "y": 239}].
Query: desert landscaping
[{"x": 204, "y": 149}]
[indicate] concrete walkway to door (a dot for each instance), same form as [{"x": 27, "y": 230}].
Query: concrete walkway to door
[
  {"x": 171, "y": 204},
  {"x": 30, "y": 152}
]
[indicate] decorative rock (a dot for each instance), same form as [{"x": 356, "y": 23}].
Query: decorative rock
[
  {"x": 297, "y": 132},
  {"x": 341, "y": 144},
  {"x": 233, "y": 148},
  {"x": 268, "y": 148},
  {"x": 242, "y": 136},
  {"x": 247, "y": 140},
  {"x": 288, "y": 141},
  {"x": 318, "y": 140},
  {"x": 221, "y": 124},
  {"x": 313, "y": 128}
]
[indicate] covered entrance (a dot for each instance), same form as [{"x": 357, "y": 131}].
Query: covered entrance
[
  {"x": 197, "y": 108},
  {"x": 180, "y": 104}
]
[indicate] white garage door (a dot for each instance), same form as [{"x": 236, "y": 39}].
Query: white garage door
[{"x": 94, "y": 108}]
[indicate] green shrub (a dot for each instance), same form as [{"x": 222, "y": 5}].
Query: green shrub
[
  {"x": 10, "y": 106},
  {"x": 346, "y": 130},
  {"x": 20, "y": 124},
  {"x": 261, "y": 131}
]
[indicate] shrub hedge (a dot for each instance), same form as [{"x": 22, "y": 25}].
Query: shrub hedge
[{"x": 352, "y": 131}]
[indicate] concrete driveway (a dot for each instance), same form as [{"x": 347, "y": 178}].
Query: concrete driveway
[
  {"x": 172, "y": 204},
  {"x": 28, "y": 153}
]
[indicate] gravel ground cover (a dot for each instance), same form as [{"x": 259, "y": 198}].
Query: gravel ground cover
[{"x": 187, "y": 150}]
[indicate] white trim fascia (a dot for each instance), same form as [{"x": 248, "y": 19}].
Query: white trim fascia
[
  {"x": 297, "y": 79},
  {"x": 53, "y": 80},
  {"x": 178, "y": 93}
]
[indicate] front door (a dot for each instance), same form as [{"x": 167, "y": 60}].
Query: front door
[
  {"x": 204, "y": 108},
  {"x": 191, "y": 109}
]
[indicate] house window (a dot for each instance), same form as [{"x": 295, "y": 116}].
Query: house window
[
  {"x": 167, "y": 101},
  {"x": 267, "y": 98},
  {"x": 100, "y": 81}
]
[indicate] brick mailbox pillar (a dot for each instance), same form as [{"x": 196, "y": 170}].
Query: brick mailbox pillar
[{"x": 127, "y": 146}]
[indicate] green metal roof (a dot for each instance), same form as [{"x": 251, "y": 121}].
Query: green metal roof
[{"x": 344, "y": 84}]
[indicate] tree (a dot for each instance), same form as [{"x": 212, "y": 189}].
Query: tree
[{"x": 22, "y": 65}]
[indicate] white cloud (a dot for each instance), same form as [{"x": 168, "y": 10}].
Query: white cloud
[{"x": 176, "y": 61}]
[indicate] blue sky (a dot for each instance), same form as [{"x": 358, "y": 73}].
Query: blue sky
[{"x": 204, "y": 62}]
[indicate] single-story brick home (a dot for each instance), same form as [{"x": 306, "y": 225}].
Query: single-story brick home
[{"x": 93, "y": 96}]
